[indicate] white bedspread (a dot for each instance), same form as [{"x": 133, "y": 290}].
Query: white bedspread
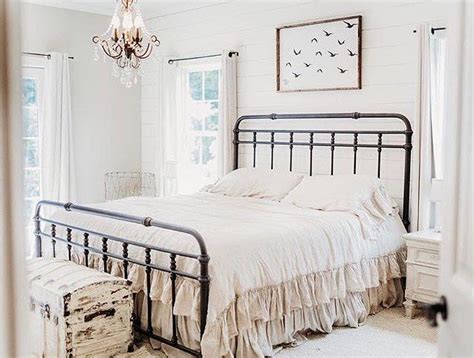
[{"x": 252, "y": 243}]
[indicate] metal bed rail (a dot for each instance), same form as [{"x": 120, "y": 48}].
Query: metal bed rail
[{"x": 103, "y": 252}]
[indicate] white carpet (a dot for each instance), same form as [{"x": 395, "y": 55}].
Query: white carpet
[{"x": 386, "y": 334}]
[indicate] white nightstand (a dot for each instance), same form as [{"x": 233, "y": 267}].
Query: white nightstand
[{"x": 422, "y": 269}]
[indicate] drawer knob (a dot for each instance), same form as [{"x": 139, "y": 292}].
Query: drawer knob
[{"x": 432, "y": 310}]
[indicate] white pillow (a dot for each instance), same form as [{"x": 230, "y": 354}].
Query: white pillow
[
  {"x": 361, "y": 195},
  {"x": 257, "y": 183}
]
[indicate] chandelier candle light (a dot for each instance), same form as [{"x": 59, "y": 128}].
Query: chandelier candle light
[{"x": 126, "y": 41}]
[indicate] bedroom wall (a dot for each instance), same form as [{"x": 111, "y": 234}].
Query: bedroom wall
[
  {"x": 390, "y": 63},
  {"x": 105, "y": 114}
]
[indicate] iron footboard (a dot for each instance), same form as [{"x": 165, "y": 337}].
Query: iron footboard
[{"x": 203, "y": 278}]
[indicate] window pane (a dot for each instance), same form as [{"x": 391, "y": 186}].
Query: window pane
[
  {"x": 211, "y": 84},
  {"x": 212, "y": 122},
  {"x": 32, "y": 183},
  {"x": 209, "y": 149},
  {"x": 195, "y": 150},
  {"x": 195, "y": 85},
  {"x": 28, "y": 92},
  {"x": 31, "y": 152},
  {"x": 196, "y": 124},
  {"x": 30, "y": 122}
]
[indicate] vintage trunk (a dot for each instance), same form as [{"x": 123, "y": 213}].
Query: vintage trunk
[{"x": 77, "y": 311}]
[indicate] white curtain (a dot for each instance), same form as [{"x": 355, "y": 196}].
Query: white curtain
[
  {"x": 432, "y": 114},
  {"x": 56, "y": 151},
  {"x": 425, "y": 130},
  {"x": 438, "y": 105},
  {"x": 227, "y": 112},
  {"x": 167, "y": 128}
]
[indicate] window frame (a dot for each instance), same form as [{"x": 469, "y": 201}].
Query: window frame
[{"x": 184, "y": 71}]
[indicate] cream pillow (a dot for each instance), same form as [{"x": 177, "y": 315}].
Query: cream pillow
[
  {"x": 256, "y": 183},
  {"x": 362, "y": 195}
]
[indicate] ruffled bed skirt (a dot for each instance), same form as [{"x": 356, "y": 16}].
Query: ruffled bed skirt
[{"x": 256, "y": 322}]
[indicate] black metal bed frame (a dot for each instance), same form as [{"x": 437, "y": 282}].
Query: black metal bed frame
[
  {"x": 331, "y": 143},
  {"x": 203, "y": 258}
]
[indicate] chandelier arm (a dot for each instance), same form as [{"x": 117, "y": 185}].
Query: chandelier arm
[
  {"x": 108, "y": 50},
  {"x": 144, "y": 54}
]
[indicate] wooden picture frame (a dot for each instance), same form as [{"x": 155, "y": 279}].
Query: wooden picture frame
[{"x": 329, "y": 46}]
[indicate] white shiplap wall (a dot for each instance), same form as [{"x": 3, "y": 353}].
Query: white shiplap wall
[{"x": 390, "y": 62}]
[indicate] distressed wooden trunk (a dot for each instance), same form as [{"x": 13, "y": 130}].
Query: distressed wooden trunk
[{"x": 77, "y": 311}]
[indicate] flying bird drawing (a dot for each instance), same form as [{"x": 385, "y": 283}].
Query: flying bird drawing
[
  {"x": 314, "y": 39},
  {"x": 288, "y": 64},
  {"x": 332, "y": 54},
  {"x": 296, "y": 74},
  {"x": 341, "y": 42},
  {"x": 349, "y": 25},
  {"x": 341, "y": 70},
  {"x": 319, "y": 53},
  {"x": 296, "y": 52},
  {"x": 351, "y": 53},
  {"x": 307, "y": 64},
  {"x": 320, "y": 70},
  {"x": 328, "y": 33}
]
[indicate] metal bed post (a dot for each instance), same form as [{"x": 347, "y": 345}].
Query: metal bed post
[{"x": 105, "y": 254}]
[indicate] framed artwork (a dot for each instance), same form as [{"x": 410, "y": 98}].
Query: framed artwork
[{"x": 319, "y": 55}]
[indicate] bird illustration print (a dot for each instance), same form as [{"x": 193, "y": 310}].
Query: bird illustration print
[
  {"x": 352, "y": 54},
  {"x": 323, "y": 54},
  {"x": 349, "y": 25}
]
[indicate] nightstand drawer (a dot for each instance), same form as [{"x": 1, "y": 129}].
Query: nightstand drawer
[
  {"x": 425, "y": 280},
  {"x": 423, "y": 256}
]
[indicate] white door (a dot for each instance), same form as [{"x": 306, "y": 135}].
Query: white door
[{"x": 457, "y": 258}]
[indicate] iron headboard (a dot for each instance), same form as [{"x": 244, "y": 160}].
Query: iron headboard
[{"x": 331, "y": 143}]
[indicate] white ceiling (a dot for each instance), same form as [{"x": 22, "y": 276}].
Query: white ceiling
[{"x": 150, "y": 8}]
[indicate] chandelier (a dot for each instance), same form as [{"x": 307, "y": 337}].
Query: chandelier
[{"x": 127, "y": 42}]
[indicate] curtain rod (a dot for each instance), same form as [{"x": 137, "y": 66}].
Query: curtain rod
[
  {"x": 434, "y": 29},
  {"x": 48, "y": 56},
  {"x": 172, "y": 60}
]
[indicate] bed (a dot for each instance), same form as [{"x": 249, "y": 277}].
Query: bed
[{"x": 225, "y": 273}]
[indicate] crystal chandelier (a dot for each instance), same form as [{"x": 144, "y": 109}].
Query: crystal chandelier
[{"x": 126, "y": 42}]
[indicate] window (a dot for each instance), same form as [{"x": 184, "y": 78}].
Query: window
[
  {"x": 198, "y": 163},
  {"x": 31, "y": 91}
]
